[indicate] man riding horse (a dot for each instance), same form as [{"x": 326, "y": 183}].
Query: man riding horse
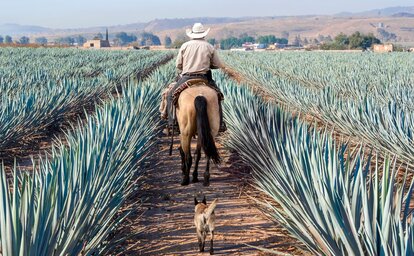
[
  {"x": 195, "y": 60},
  {"x": 197, "y": 102}
]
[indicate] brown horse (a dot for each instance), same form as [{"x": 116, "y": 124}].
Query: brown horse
[{"x": 198, "y": 113}]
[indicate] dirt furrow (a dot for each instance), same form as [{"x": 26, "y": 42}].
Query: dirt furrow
[{"x": 165, "y": 226}]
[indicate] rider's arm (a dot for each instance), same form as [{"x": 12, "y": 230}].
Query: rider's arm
[
  {"x": 215, "y": 61},
  {"x": 179, "y": 61}
]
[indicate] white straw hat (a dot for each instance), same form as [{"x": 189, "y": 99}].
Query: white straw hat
[{"x": 197, "y": 31}]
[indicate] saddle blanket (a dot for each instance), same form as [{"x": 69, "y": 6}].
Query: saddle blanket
[{"x": 194, "y": 82}]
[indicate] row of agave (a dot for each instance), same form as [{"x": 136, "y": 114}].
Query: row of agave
[
  {"x": 58, "y": 64},
  {"x": 335, "y": 200},
  {"x": 69, "y": 204},
  {"x": 379, "y": 112},
  {"x": 42, "y": 91},
  {"x": 360, "y": 73}
]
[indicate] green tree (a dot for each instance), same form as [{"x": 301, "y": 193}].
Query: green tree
[
  {"x": 341, "y": 39},
  {"x": 281, "y": 41},
  {"x": 98, "y": 36},
  {"x": 8, "y": 39},
  {"x": 125, "y": 39},
  {"x": 80, "y": 40},
  {"x": 149, "y": 39},
  {"x": 244, "y": 38},
  {"x": 65, "y": 40},
  {"x": 355, "y": 40},
  {"x": 369, "y": 40},
  {"x": 229, "y": 43},
  {"x": 178, "y": 42},
  {"x": 167, "y": 41},
  {"x": 268, "y": 39},
  {"x": 41, "y": 40},
  {"x": 24, "y": 40}
]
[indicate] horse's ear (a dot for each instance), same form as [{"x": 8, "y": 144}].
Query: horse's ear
[
  {"x": 195, "y": 201},
  {"x": 204, "y": 200}
]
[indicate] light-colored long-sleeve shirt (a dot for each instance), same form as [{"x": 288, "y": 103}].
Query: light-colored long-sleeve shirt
[{"x": 197, "y": 56}]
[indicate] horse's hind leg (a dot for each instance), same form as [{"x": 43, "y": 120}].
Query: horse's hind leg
[
  {"x": 186, "y": 160},
  {"x": 197, "y": 160},
  {"x": 206, "y": 181}
]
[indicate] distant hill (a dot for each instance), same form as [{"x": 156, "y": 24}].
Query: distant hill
[
  {"x": 16, "y": 29},
  {"x": 165, "y": 24},
  {"x": 403, "y": 14},
  {"x": 152, "y": 26},
  {"x": 390, "y": 11},
  {"x": 395, "y": 20}
]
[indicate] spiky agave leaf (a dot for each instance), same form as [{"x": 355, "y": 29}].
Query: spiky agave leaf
[
  {"x": 332, "y": 200},
  {"x": 69, "y": 205}
]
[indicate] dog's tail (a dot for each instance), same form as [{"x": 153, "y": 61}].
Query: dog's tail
[{"x": 210, "y": 209}]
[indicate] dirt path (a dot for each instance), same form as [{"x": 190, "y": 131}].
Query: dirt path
[{"x": 167, "y": 217}]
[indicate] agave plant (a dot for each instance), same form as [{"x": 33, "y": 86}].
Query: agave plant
[
  {"x": 38, "y": 95},
  {"x": 356, "y": 94},
  {"x": 69, "y": 205},
  {"x": 335, "y": 201}
]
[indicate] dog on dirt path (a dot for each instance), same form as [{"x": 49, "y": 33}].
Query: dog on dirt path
[{"x": 204, "y": 220}]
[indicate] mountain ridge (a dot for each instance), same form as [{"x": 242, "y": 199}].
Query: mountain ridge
[{"x": 398, "y": 20}]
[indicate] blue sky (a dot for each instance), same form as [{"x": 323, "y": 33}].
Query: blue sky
[{"x": 86, "y": 13}]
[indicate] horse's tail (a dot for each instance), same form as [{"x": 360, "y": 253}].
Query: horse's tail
[{"x": 205, "y": 139}]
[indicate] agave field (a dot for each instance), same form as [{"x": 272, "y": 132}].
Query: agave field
[
  {"x": 367, "y": 97},
  {"x": 336, "y": 197},
  {"x": 43, "y": 87},
  {"x": 333, "y": 198},
  {"x": 68, "y": 205}
]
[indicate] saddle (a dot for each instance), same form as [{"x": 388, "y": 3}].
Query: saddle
[{"x": 191, "y": 83}]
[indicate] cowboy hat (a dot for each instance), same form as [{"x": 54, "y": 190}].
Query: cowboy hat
[{"x": 197, "y": 31}]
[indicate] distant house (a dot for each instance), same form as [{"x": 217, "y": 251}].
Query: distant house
[
  {"x": 97, "y": 43},
  {"x": 383, "y": 47}
]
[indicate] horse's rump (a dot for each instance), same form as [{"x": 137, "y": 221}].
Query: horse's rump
[
  {"x": 205, "y": 138},
  {"x": 198, "y": 112}
]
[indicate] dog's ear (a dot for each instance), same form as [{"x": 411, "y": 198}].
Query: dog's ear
[
  {"x": 195, "y": 201},
  {"x": 204, "y": 200}
]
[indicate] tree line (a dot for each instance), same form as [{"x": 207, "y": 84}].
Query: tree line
[
  {"x": 120, "y": 39},
  {"x": 342, "y": 41},
  {"x": 357, "y": 40}
]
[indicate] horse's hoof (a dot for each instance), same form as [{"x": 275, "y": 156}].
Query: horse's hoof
[
  {"x": 195, "y": 180},
  {"x": 185, "y": 182},
  {"x": 206, "y": 184},
  {"x": 211, "y": 252}
]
